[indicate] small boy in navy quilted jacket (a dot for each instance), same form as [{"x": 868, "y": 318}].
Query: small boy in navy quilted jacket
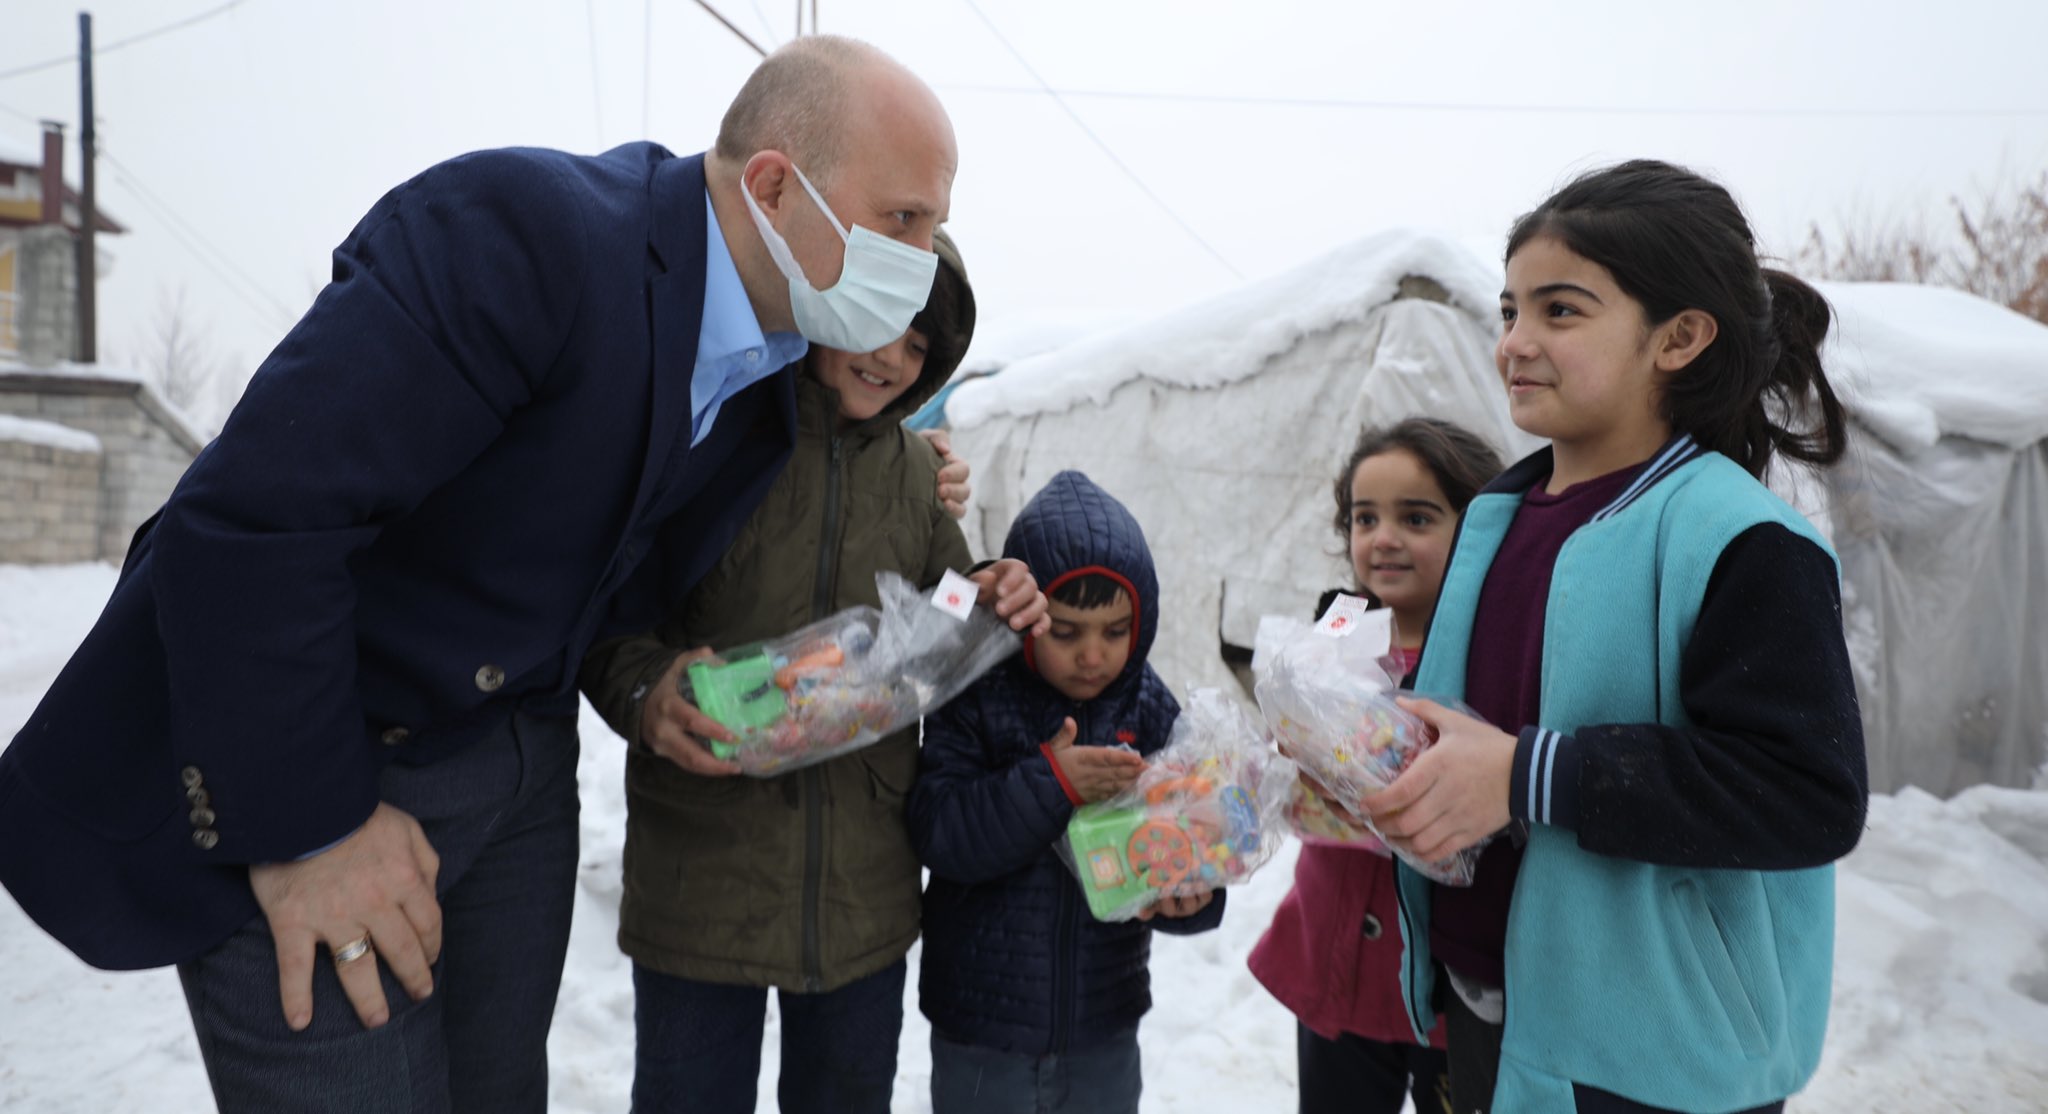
[{"x": 1034, "y": 1004}]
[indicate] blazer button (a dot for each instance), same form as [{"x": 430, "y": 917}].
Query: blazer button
[
  {"x": 1371, "y": 928},
  {"x": 205, "y": 839},
  {"x": 197, "y": 796},
  {"x": 202, "y": 818},
  {"x": 190, "y": 775},
  {"x": 490, "y": 678},
  {"x": 393, "y": 736}
]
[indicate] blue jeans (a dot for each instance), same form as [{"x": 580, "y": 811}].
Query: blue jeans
[
  {"x": 501, "y": 813},
  {"x": 697, "y": 1045},
  {"x": 1102, "y": 1079}
]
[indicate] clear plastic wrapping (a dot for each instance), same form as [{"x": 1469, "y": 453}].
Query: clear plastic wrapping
[
  {"x": 1328, "y": 696},
  {"x": 844, "y": 682},
  {"x": 1205, "y": 813},
  {"x": 1316, "y": 821}
]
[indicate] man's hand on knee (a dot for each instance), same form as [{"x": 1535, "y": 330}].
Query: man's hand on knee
[{"x": 369, "y": 896}]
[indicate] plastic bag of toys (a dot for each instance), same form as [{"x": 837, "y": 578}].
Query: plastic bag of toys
[
  {"x": 1205, "y": 813},
  {"x": 1328, "y": 695},
  {"x": 849, "y": 680},
  {"x": 1315, "y": 820}
]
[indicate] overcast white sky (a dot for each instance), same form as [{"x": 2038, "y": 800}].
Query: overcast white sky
[{"x": 241, "y": 149}]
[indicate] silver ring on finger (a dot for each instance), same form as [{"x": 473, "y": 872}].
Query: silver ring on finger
[{"x": 353, "y": 950}]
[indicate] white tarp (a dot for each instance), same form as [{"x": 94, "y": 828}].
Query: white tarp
[{"x": 1940, "y": 514}]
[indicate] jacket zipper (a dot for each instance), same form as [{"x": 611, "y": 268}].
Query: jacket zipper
[
  {"x": 813, "y": 780},
  {"x": 1066, "y": 941}
]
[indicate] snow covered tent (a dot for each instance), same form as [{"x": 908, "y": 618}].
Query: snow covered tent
[
  {"x": 1221, "y": 425},
  {"x": 1940, "y": 514}
]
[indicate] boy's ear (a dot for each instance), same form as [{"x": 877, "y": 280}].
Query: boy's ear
[{"x": 1680, "y": 340}]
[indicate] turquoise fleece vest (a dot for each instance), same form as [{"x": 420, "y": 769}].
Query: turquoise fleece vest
[{"x": 1688, "y": 989}]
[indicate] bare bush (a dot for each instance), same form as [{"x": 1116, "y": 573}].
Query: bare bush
[
  {"x": 176, "y": 355},
  {"x": 1998, "y": 249}
]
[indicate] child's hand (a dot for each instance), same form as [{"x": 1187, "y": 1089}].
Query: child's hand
[
  {"x": 1334, "y": 807},
  {"x": 672, "y": 726},
  {"x": 1093, "y": 773},
  {"x": 1177, "y": 906},
  {"x": 1008, "y": 586},
  {"x": 953, "y": 472},
  {"x": 1452, "y": 796}
]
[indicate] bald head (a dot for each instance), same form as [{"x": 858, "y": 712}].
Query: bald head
[
  {"x": 871, "y": 137},
  {"x": 808, "y": 100}
]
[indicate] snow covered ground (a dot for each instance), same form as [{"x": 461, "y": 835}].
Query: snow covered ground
[{"x": 1941, "y": 982}]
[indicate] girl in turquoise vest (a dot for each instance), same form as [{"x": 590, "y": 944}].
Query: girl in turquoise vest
[{"x": 1668, "y": 743}]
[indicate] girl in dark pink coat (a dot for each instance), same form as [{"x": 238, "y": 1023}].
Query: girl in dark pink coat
[{"x": 1333, "y": 953}]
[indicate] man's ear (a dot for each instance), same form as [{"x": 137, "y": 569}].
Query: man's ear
[
  {"x": 1680, "y": 340},
  {"x": 767, "y": 176}
]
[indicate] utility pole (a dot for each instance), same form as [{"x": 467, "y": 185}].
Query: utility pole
[{"x": 88, "y": 260}]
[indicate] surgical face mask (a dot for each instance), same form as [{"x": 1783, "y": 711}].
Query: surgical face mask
[{"x": 881, "y": 286}]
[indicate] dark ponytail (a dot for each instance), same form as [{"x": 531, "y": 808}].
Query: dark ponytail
[
  {"x": 1798, "y": 386},
  {"x": 1674, "y": 241}
]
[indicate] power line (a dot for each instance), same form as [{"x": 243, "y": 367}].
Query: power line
[
  {"x": 130, "y": 41},
  {"x": 1090, "y": 132},
  {"x": 734, "y": 28},
  {"x": 768, "y": 31},
  {"x": 19, "y": 114},
  {"x": 1450, "y": 106},
  {"x": 196, "y": 242}
]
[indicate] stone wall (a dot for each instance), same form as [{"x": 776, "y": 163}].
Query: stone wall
[
  {"x": 46, "y": 281},
  {"x": 145, "y": 447},
  {"x": 49, "y": 502}
]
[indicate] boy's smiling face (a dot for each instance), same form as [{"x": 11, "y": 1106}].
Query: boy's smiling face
[{"x": 1086, "y": 649}]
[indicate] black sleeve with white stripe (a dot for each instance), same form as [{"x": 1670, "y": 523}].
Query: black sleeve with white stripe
[
  {"x": 1545, "y": 789},
  {"x": 1770, "y": 776}
]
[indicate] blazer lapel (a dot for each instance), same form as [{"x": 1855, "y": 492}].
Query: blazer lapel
[{"x": 676, "y": 236}]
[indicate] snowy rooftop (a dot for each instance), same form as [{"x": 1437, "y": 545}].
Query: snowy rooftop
[
  {"x": 18, "y": 153},
  {"x": 1228, "y": 337}
]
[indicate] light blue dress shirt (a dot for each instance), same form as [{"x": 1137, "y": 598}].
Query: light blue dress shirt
[{"x": 732, "y": 355}]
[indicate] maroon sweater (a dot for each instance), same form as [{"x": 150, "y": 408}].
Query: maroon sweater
[{"x": 1503, "y": 684}]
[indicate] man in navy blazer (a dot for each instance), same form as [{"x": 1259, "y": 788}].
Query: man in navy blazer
[{"x": 331, "y": 702}]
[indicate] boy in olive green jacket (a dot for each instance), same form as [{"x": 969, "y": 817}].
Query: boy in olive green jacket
[{"x": 805, "y": 882}]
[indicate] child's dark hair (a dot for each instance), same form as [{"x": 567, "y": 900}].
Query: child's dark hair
[
  {"x": 947, "y": 319},
  {"x": 1459, "y": 460},
  {"x": 1674, "y": 241},
  {"x": 1087, "y": 591}
]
